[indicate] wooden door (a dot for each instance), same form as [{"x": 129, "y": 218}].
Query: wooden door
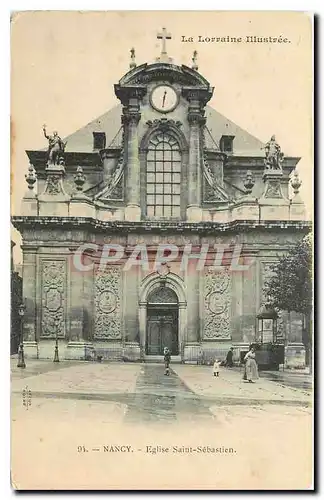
[
  {"x": 162, "y": 331},
  {"x": 167, "y": 332},
  {"x": 154, "y": 335}
]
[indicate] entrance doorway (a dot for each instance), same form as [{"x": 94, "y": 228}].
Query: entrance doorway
[{"x": 162, "y": 322}]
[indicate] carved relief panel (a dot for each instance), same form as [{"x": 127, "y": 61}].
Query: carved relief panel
[
  {"x": 217, "y": 299},
  {"x": 107, "y": 304},
  {"x": 53, "y": 298}
]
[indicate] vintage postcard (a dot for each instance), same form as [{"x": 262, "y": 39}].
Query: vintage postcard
[{"x": 161, "y": 202}]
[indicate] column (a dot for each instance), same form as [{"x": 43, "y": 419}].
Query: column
[
  {"x": 131, "y": 117},
  {"x": 29, "y": 299},
  {"x": 195, "y": 119}
]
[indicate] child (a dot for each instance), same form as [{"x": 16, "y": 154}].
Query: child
[
  {"x": 167, "y": 359},
  {"x": 216, "y": 368}
]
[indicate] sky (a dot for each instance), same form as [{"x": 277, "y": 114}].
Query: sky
[{"x": 64, "y": 66}]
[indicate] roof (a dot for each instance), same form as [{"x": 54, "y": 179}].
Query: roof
[{"x": 244, "y": 143}]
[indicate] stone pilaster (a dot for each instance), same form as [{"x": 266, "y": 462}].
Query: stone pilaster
[
  {"x": 130, "y": 323},
  {"x": 237, "y": 306},
  {"x": 249, "y": 278},
  {"x": 76, "y": 305},
  {"x": 192, "y": 347},
  {"x": 131, "y": 117},
  {"x": 130, "y": 293},
  {"x": 195, "y": 119},
  {"x": 79, "y": 346},
  {"x": 193, "y": 298},
  {"x": 131, "y": 97},
  {"x": 88, "y": 308},
  {"x": 29, "y": 271},
  {"x": 197, "y": 99}
]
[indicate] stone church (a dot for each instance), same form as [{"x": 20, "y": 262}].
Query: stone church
[{"x": 161, "y": 173}]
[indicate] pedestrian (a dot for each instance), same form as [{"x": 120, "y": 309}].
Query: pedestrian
[
  {"x": 216, "y": 368},
  {"x": 167, "y": 359},
  {"x": 229, "y": 358},
  {"x": 251, "y": 367}
]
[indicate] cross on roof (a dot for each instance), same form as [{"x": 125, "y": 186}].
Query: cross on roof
[{"x": 164, "y": 36}]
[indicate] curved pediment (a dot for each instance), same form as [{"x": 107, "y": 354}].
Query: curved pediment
[{"x": 146, "y": 73}]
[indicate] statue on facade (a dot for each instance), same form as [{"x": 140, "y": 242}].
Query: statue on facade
[
  {"x": 56, "y": 148},
  {"x": 132, "y": 63},
  {"x": 273, "y": 155},
  {"x": 194, "y": 61}
]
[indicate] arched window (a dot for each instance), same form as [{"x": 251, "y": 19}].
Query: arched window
[{"x": 163, "y": 176}]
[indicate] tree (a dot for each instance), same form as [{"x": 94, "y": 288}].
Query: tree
[{"x": 289, "y": 288}]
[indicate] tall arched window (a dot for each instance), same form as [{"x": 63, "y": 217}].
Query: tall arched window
[{"x": 163, "y": 176}]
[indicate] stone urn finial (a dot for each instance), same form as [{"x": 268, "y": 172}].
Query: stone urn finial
[
  {"x": 31, "y": 177},
  {"x": 295, "y": 182},
  {"x": 249, "y": 182},
  {"x": 79, "y": 179}
]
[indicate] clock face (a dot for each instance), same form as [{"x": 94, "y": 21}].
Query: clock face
[{"x": 164, "y": 98}]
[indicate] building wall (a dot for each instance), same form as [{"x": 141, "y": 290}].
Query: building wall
[{"x": 105, "y": 309}]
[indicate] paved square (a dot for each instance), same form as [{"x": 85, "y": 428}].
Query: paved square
[{"x": 80, "y": 411}]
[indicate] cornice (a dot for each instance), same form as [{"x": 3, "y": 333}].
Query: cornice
[
  {"x": 38, "y": 158},
  {"x": 146, "y": 73},
  {"x": 234, "y": 160},
  {"x": 98, "y": 226}
]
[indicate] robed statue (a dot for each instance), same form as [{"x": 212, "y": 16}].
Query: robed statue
[
  {"x": 56, "y": 147},
  {"x": 274, "y": 155}
]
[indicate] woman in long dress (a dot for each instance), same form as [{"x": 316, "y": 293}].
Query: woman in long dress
[{"x": 251, "y": 367}]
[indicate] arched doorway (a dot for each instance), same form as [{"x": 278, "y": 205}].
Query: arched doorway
[{"x": 162, "y": 329}]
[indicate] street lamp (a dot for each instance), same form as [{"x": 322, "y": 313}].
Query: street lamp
[
  {"x": 56, "y": 353},
  {"x": 271, "y": 351},
  {"x": 21, "y": 357},
  {"x": 267, "y": 324}
]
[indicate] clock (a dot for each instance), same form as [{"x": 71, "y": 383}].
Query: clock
[{"x": 164, "y": 98}]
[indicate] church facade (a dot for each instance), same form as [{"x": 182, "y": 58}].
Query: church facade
[{"x": 156, "y": 225}]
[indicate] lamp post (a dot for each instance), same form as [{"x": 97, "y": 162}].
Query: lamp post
[
  {"x": 21, "y": 357},
  {"x": 56, "y": 353}
]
